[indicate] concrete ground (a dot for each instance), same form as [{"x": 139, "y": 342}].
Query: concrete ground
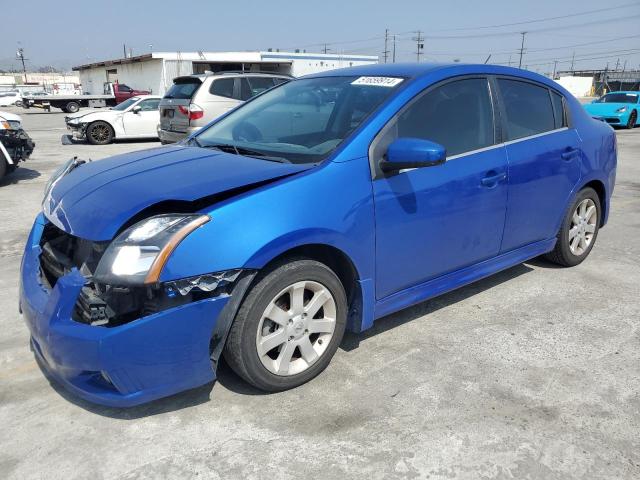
[{"x": 533, "y": 373}]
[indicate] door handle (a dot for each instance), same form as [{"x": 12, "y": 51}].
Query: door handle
[
  {"x": 569, "y": 154},
  {"x": 493, "y": 179}
]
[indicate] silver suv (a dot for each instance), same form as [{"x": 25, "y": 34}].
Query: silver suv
[{"x": 195, "y": 100}]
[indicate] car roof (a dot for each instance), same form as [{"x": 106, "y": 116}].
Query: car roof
[
  {"x": 417, "y": 70},
  {"x": 144, "y": 97},
  {"x": 626, "y": 92}
]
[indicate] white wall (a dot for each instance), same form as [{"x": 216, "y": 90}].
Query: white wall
[
  {"x": 577, "y": 86},
  {"x": 146, "y": 75}
]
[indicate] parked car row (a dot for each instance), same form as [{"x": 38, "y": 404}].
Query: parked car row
[{"x": 190, "y": 103}]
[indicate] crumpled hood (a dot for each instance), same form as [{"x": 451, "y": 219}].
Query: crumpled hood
[
  {"x": 604, "y": 109},
  {"x": 95, "y": 199}
]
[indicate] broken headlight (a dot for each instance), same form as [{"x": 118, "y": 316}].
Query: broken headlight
[{"x": 137, "y": 255}]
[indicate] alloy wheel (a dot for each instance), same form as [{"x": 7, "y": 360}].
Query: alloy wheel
[
  {"x": 583, "y": 226},
  {"x": 100, "y": 133},
  {"x": 296, "y": 328}
]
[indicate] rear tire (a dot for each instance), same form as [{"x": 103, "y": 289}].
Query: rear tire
[
  {"x": 99, "y": 133},
  {"x": 632, "y": 120},
  {"x": 579, "y": 230},
  {"x": 305, "y": 342}
]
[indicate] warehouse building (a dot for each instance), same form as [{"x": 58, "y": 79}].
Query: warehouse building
[{"x": 155, "y": 71}]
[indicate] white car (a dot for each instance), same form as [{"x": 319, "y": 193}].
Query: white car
[
  {"x": 136, "y": 117},
  {"x": 10, "y": 121},
  {"x": 10, "y": 98},
  {"x": 15, "y": 145}
]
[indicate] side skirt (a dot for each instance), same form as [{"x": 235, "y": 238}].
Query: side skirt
[{"x": 459, "y": 278}]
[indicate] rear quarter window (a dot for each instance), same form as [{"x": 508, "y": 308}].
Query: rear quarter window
[
  {"x": 528, "y": 108},
  {"x": 222, "y": 87},
  {"x": 559, "y": 117}
]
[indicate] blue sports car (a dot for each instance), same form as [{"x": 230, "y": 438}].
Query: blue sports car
[
  {"x": 318, "y": 206},
  {"x": 617, "y": 108}
]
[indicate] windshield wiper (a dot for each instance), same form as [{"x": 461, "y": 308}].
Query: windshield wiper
[{"x": 229, "y": 148}]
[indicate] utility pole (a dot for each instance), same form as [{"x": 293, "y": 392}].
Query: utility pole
[
  {"x": 124, "y": 50},
  {"x": 555, "y": 66},
  {"x": 325, "y": 49},
  {"x": 509, "y": 60},
  {"x": 20, "y": 55},
  {"x": 521, "y": 49},
  {"x": 573, "y": 60},
  {"x": 617, "y": 64},
  {"x": 385, "y": 54},
  {"x": 394, "y": 49},
  {"x": 419, "y": 39}
]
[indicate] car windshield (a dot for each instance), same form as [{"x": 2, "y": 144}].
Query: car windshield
[
  {"x": 126, "y": 104},
  {"x": 619, "y": 98},
  {"x": 302, "y": 121}
]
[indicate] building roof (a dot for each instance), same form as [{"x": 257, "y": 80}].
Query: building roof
[{"x": 233, "y": 57}]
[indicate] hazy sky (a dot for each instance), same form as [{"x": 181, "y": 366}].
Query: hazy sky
[{"x": 63, "y": 33}]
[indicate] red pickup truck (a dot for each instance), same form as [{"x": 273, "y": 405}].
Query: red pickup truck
[{"x": 114, "y": 93}]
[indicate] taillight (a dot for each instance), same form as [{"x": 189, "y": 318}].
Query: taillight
[{"x": 194, "y": 112}]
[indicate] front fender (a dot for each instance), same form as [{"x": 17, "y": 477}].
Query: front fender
[{"x": 328, "y": 205}]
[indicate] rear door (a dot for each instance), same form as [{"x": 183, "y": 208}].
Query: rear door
[
  {"x": 174, "y": 107},
  {"x": 544, "y": 156},
  {"x": 221, "y": 97}
]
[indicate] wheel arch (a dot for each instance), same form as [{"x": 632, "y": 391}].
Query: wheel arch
[{"x": 599, "y": 188}]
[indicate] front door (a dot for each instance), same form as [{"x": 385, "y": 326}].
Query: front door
[
  {"x": 144, "y": 123},
  {"x": 435, "y": 220}
]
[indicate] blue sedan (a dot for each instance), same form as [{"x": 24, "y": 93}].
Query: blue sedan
[
  {"x": 617, "y": 108},
  {"x": 317, "y": 207}
]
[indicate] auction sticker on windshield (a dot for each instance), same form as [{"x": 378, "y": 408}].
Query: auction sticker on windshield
[{"x": 377, "y": 81}]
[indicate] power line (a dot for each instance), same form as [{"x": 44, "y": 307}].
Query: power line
[
  {"x": 586, "y": 12},
  {"x": 547, "y": 29}
]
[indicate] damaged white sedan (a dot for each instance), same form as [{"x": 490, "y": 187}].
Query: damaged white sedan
[
  {"x": 137, "y": 117},
  {"x": 15, "y": 144}
]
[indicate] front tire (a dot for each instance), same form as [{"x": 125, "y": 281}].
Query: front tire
[
  {"x": 99, "y": 133},
  {"x": 288, "y": 327},
  {"x": 579, "y": 229},
  {"x": 633, "y": 117}
]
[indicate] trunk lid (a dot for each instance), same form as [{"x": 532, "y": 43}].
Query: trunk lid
[{"x": 174, "y": 106}]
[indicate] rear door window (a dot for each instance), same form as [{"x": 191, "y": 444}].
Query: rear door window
[
  {"x": 222, "y": 87},
  {"x": 528, "y": 108},
  {"x": 260, "y": 84}
]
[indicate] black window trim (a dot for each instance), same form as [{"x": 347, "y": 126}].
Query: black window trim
[
  {"x": 377, "y": 173},
  {"x": 567, "y": 123}
]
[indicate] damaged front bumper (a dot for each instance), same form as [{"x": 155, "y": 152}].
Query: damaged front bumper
[
  {"x": 15, "y": 146},
  {"x": 78, "y": 130},
  {"x": 125, "y": 365}
]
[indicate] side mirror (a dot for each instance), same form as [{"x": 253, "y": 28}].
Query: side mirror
[
  {"x": 136, "y": 109},
  {"x": 412, "y": 153}
]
